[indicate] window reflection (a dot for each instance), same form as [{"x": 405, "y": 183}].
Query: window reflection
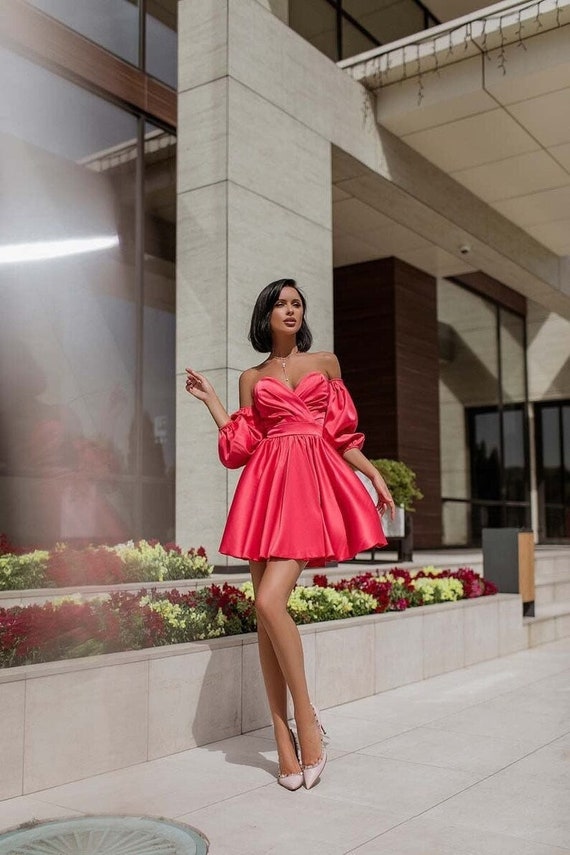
[
  {"x": 162, "y": 40},
  {"x": 344, "y": 28},
  {"x": 484, "y": 475},
  {"x": 485, "y": 444},
  {"x": 70, "y": 465},
  {"x": 469, "y": 372},
  {"x": 113, "y": 24},
  {"x": 512, "y": 356},
  {"x": 158, "y": 389},
  {"x": 386, "y": 20},
  {"x": 316, "y": 22},
  {"x": 515, "y": 465},
  {"x": 120, "y": 26},
  {"x": 553, "y": 458}
]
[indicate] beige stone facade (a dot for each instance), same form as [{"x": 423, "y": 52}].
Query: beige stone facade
[{"x": 282, "y": 152}]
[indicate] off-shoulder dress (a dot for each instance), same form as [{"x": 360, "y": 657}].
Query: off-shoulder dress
[{"x": 297, "y": 497}]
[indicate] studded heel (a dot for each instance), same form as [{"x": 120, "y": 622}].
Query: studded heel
[
  {"x": 312, "y": 772},
  {"x": 294, "y": 780}
]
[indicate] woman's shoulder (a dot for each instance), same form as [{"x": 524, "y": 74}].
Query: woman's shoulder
[
  {"x": 328, "y": 363},
  {"x": 247, "y": 380}
]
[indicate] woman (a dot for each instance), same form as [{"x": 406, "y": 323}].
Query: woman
[{"x": 297, "y": 503}]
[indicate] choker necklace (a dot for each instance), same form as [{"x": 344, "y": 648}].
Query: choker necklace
[{"x": 283, "y": 360}]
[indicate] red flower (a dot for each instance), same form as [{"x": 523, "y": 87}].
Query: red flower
[
  {"x": 172, "y": 547},
  {"x": 8, "y": 548},
  {"x": 473, "y": 585},
  {"x": 72, "y": 568},
  {"x": 320, "y": 580}
]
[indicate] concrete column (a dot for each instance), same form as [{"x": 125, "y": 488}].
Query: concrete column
[{"x": 254, "y": 205}]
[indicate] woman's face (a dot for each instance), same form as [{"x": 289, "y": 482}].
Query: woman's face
[{"x": 287, "y": 313}]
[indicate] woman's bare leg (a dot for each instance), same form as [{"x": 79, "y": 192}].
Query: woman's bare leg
[
  {"x": 275, "y": 685},
  {"x": 281, "y": 655}
]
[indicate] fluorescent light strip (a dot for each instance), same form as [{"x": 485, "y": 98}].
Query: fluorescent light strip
[{"x": 17, "y": 253}]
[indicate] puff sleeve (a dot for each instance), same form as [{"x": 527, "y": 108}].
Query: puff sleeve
[
  {"x": 341, "y": 419},
  {"x": 239, "y": 438}
]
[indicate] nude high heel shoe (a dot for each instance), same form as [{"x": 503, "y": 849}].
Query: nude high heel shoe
[
  {"x": 312, "y": 772},
  {"x": 294, "y": 780}
]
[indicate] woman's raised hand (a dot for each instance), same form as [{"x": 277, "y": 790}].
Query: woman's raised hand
[{"x": 198, "y": 386}]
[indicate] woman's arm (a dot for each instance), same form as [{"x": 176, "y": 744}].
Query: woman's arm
[
  {"x": 357, "y": 460},
  {"x": 199, "y": 387}
]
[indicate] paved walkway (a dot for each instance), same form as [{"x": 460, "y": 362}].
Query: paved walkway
[{"x": 474, "y": 762}]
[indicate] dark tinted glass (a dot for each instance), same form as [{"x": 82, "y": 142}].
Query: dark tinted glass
[{"x": 316, "y": 22}]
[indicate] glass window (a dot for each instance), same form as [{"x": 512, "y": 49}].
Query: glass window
[
  {"x": 158, "y": 389},
  {"x": 113, "y": 24},
  {"x": 161, "y": 27},
  {"x": 553, "y": 459},
  {"x": 364, "y": 24},
  {"x": 566, "y": 458},
  {"x": 116, "y": 25},
  {"x": 484, "y": 475},
  {"x": 485, "y": 442},
  {"x": 551, "y": 454},
  {"x": 316, "y": 22},
  {"x": 469, "y": 376},
  {"x": 354, "y": 41},
  {"x": 70, "y": 327},
  {"x": 512, "y": 356},
  {"x": 386, "y": 20},
  {"x": 515, "y": 456}
]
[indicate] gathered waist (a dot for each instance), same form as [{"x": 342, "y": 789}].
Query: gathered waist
[{"x": 288, "y": 428}]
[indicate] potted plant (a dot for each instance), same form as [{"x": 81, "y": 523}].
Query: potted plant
[{"x": 401, "y": 481}]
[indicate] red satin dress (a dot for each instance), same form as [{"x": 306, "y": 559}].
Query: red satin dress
[{"x": 297, "y": 497}]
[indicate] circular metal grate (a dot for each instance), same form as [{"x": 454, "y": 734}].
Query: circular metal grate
[{"x": 104, "y": 835}]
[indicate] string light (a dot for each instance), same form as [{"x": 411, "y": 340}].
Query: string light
[
  {"x": 435, "y": 59},
  {"x": 520, "y": 29},
  {"x": 382, "y": 73},
  {"x": 420, "y": 77}
]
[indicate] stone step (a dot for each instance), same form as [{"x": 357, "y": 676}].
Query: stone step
[
  {"x": 551, "y": 622},
  {"x": 552, "y": 592}
]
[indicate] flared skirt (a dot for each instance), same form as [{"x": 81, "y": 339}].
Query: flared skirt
[{"x": 297, "y": 498}]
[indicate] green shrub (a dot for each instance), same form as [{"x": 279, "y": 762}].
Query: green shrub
[
  {"x": 401, "y": 481},
  {"x": 18, "y": 572}
]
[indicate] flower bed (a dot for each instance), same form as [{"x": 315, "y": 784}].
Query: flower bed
[
  {"x": 68, "y": 629},
  {"x": 65, "y": 566}
]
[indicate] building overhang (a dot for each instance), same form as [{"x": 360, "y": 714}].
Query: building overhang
[{"x": 480, "y": 110}]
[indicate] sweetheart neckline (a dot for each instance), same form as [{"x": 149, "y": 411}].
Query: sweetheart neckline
[{"x": 294, "y": 389}]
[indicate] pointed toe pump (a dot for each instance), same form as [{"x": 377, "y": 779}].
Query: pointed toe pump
[
  {"x": 294, "y": 780},
  {"x": 312, "y": 772}
]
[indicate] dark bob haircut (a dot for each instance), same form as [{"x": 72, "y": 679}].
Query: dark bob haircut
[{"x": 260, "y": 329}]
